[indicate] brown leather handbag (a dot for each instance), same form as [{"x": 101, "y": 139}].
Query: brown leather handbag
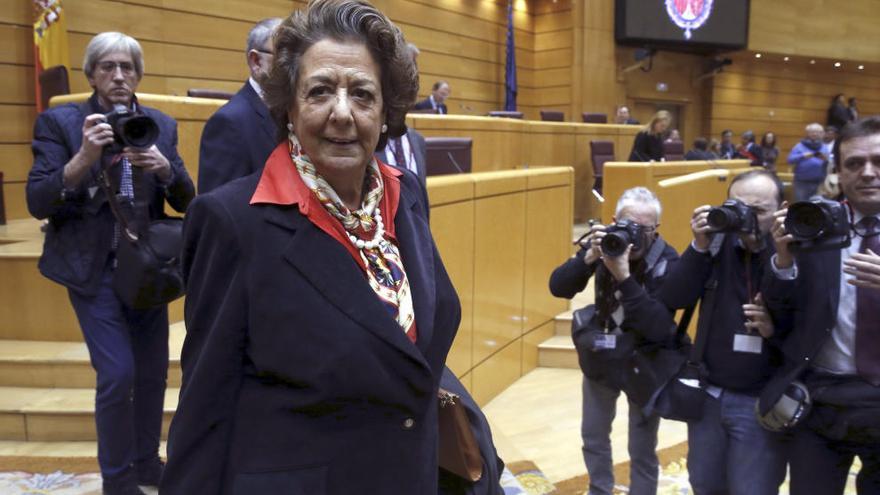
[{"x": 459, "y": 452}]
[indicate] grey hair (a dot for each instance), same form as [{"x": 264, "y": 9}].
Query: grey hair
[
  {"x": 638, "y": 195},
  {"x": 260, "y": 33},
  {"x": 816, "y": 126},
  {"x": 112, "y": 42}
]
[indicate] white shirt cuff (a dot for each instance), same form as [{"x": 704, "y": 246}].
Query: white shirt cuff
[{"x": 789, "y": 273}]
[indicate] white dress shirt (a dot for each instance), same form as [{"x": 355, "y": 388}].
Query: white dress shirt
[{"x": 407, "y": 152}]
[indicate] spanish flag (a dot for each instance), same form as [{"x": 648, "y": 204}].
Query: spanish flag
[{"x": 50, "y": 40}]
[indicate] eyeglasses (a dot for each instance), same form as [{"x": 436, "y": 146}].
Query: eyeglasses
[
  {"x": 267, "y": 52},
  {"x": 109, "y": 67}
]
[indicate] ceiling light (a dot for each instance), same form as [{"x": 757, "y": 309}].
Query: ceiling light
[
  {"x": 861, "y": 67},
  {"x": 757, "y": 55},
  {"x": 837, "y": 64},
  {"x": 785, "y": 59}
]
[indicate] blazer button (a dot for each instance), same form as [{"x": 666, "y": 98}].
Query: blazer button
[{"x": 408, "y": 423}]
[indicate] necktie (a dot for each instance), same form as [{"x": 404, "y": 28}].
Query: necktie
[
  {"x": 126, "y": 190},
  {"x": 397, "y": 150},
  {"x": 867, "y": 317}
]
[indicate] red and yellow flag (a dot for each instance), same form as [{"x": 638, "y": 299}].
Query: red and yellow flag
[{"x": 50, "y": 40}]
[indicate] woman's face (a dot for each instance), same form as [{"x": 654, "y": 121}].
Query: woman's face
[
  {"x": 770, "y": 139},
  {"x": 661, "y": 125},
  {"x": 337, "y": 106}
]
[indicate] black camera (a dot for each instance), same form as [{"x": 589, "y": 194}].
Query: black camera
[
  {"x": 818, "y": 224},
  {"x": 620, "y": 235},
  {"x": 733, "y": 216},
  {"x": 132, "y": 129}
]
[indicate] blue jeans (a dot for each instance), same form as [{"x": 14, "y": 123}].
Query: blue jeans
[
  {"x": 129, "y": 351},
  {"x": 599, "y": 409},
  {"x": 729, "y": 452}
]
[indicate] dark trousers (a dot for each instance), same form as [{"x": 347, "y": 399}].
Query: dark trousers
[
  {"x": 820, "y": 466},
  {"x": 129, "y": 351}
]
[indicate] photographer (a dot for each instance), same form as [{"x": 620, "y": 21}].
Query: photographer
[
  {"x": 729, "y": 452},
  {"x": 626, "y": 316},
  {"x": 809, "y": 158},
  {"x": 128, "y": 348},
  {"x": 833, "y": 295}
]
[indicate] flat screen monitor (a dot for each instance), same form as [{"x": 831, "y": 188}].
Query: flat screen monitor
[
  {"x": 448, "y": 155},
  {"x": 703, "y": 26}
]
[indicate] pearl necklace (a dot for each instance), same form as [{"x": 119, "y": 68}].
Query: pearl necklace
[{"x": 378, "y": 236}]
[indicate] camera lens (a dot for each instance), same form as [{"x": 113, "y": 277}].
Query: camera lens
[
  {"x": 615, "y": 243},
  {"x": 806, "y": 220},
  {"x": 140, "y": 132},
  {"x": 723, "y": 219}
]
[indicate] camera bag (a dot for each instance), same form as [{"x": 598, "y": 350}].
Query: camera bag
[
  {"x": 846, "y": 410},
  {"x": 682, "y": 396},
  {"x": 148, "y": 272}
]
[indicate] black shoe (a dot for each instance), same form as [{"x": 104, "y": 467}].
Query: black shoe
[
  {"x": 150, "y": 473},
  {"x": 125, "y": 484}
]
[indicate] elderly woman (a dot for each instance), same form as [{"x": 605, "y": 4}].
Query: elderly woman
[
  {"x": 648, "y": 145},
  {"x": 319, "y": 314}
]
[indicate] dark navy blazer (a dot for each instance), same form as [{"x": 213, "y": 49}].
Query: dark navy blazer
[
  {"x": 804, "y": 313},
  {"x": 296, "y": 379},
  {"x": 418, "y": 146},
  {"x": 236, "y": 140},
  {"x": 80, "y": 231},
  {"x": 426, "y": 105}
]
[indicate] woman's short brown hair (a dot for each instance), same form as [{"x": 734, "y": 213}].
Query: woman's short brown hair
[{"x": 343, "y": 20}]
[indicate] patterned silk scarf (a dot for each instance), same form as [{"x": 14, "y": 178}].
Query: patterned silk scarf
[{"x": 385, "y": 272}]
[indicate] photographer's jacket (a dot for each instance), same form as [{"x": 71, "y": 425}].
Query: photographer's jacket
[
  {"x": 81, "y": 226},
  {"x": 645, "y": 318},
  {"x": 744, "y": 372}
]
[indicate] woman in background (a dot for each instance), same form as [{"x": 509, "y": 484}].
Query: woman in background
[
  {"x": 648, "y": 145},
  {"x": 769, "y": 151}
]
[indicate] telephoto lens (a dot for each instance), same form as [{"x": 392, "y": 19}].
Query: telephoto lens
[
  {"x": 132, "y": 129},
  {"x": 818, "y": 224}
]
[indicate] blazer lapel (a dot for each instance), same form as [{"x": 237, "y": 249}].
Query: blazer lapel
[
  {"x": 329, "y": 268},
  {"x": 417, "y": 253},
  {"x": 262, "y": 111}
]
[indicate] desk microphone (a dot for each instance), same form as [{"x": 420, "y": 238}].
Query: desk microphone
[{"x": 454, "y": 163}]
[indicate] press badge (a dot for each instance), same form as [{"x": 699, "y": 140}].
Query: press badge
[
  {"x": 605, "y": 342},
  {"x": 743, "y": 342}
]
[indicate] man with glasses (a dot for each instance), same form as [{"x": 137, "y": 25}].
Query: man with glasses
[
  {"x": 128, "y": 348},
  {"x": 239, "y": 137},
  {"x": 625, "y": 316},
  {"x": 728, "y": 451}
]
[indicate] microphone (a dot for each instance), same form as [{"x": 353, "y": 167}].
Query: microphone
[{"x": 454, "y": 163}]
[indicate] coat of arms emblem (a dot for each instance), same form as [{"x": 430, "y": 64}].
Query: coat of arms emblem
[{"x": 689, "y": 15}]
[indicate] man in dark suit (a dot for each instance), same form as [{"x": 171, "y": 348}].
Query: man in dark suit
[
  {"x": 407, "y": 152},
  {"x": 240, "y": 136},
  {"x": 832, "y": 296},
  {"x": 440, "y": 91},
  {"x": 128, "y": 348}
]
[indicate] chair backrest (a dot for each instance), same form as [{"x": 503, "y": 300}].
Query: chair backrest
[
  {"x": 552, "y": 116},
  {"x": 673, "y": 150},
  {"x": 209, "y": 93},
  {"x": 448, "y": 155},
  {"x": 601, "y": 152},
  {"x": 595, "y": 118},
  {"x": 506, "y": 114},
  {"x": 53, "y": 82}
]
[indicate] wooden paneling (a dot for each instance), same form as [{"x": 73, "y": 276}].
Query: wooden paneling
[
  {"x": 13, "y": 197},
  {"x": 453, "y": 228},
  {"x": 17, "y": 160},
  {"x": 809, "y": 28},
  {"x": 496, "y": 373},
  {"x": 498, "y": 290},
  {"x": 772, "y": 95}
]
